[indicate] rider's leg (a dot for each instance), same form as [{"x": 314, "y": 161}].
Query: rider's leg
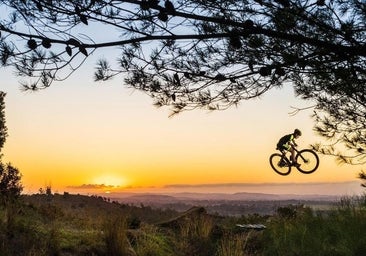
[
  {"x": 292, "y": 154},
  {"x": 283, "y": 151},
  {"x": 293, "y": 160}
]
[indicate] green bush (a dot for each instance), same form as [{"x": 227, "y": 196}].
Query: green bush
[
  {"x": 340, "y": 232},
  {"x": 115, "y": 237},
  {"x": 150, "y": 241}
]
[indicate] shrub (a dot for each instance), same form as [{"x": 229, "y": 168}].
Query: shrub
[
  {"x": 339, "y": 232},
  {"x": 115, "y": 238},
  {"x": 10, "y": 184},
  {"x": 149, "y": 241},
  {"x": 232, "y": 245}
]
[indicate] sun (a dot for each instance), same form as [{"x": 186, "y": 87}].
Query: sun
[{"x": 110, "y": 181}]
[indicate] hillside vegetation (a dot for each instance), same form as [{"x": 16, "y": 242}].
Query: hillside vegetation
[{"x": 83, "y": 225}]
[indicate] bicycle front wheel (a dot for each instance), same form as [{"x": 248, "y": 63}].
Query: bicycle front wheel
[
  {"x": 279, "y": 164},
  {"x": 308, "y": 160}
]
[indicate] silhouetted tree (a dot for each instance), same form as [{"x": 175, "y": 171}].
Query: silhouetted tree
[
  {"x": 362, "y": 176},
  {"x": 10, "y": 185},
  {"x": 3, "y": 128},
  {"x": 205, "y": 53},
  {"x": 10, "y": 177}
]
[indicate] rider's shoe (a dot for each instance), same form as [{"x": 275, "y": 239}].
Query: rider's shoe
[
  {"x": 296, "y": 164},
  {"x": 282, "y": 163}
]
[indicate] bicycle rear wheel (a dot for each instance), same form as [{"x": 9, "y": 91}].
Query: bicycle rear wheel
[
  {"x": 308, "y": 160},
  {"x": 279, "y": 165}
]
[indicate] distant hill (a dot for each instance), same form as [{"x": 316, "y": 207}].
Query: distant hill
[
  {"x": 96, "y": 207},
  {"x": 242, "y": 196},
  {"x": 225, "y": 204},
  {"x": 220, "y": 203}
]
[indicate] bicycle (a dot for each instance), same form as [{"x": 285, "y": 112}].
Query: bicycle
[{"x": 307, "y": 159}]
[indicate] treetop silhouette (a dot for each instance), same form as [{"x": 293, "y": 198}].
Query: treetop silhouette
[{"x": 211, "y": 54}]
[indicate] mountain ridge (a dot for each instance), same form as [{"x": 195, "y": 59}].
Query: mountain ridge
[{"x": 193, "y": 196}]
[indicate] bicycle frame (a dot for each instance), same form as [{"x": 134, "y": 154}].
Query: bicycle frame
[
  {"x": 288, "y": 150},
  {"x": 298, "y": 154}
]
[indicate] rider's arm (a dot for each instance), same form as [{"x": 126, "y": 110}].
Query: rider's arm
[{"x": 292, "y": 143}]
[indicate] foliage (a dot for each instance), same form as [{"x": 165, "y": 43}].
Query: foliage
[
  {"x": 232, "y": 245},
  {"x": 101, "y": 228},
  {"x": 339, "y": 232},
  {"x": 115, "y": 238},
  {"x": 362, "y": 176},
  {"x": 149, "y": 240},
  {"x": 10, "y": 177},
  {"x": 10, "y": 184},
  {"x": 3, "y": 128},
  {"x": 203, "y": 53}
]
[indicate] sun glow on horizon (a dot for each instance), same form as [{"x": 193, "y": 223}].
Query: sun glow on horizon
[{"x": 111, "y": 181}]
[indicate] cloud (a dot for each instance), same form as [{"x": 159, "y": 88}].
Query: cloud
[
  {"x": 324, "y": 188},
  {"x": 321, "y": 188},
  {"x": 93, "y": 186},
  {"x": 214, "y": 185}
]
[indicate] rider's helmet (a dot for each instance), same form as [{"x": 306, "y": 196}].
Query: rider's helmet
[{"x": 297, "y": 132}]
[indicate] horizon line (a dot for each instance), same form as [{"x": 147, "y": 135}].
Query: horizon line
[
  {"x": 231, "y": 184},
  {"x": 209, "y": 185}
]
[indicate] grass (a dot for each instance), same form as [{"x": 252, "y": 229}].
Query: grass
[
  {"x": 340, "y": 232},
  {"x": 149, "y": 240},
  {"x": 232, "y": 245},
  {"x": 81, "y": 225}
]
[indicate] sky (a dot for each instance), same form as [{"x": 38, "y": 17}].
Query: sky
[
  {"x": 80, "y": 135},
  {"x": 85, "y": 136}
]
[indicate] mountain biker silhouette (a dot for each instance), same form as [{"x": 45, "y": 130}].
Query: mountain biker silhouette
[{"x": 287, "y": 143}]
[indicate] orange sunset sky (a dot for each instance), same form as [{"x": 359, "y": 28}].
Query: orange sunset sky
[{"x": 79, "y": 132}]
